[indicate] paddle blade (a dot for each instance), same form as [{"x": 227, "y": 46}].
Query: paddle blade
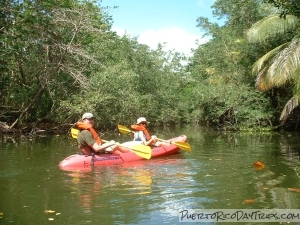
[
  {"x": 183, "y": 145},
  {"x": 142, "y": 148},
  {"x": 124, "y": 130},
  {"x": 74, "y": 133},
  {"x": 142, "y": 154}
]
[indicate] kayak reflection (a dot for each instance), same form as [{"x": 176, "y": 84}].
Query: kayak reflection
[{"x": 135, "y": 178}]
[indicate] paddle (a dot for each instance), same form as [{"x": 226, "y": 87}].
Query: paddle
[
  {"x": 182, "y": 145},
  {"x": 141, "y": 150}
]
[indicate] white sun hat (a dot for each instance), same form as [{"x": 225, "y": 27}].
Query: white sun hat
[
  {"x": 141, "y": 119},
  {"x": 87, "y": 116}
]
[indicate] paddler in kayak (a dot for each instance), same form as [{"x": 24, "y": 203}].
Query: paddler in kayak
[
  {"x": 89, "y": 141},
  {"x": 142, "y": 134}
]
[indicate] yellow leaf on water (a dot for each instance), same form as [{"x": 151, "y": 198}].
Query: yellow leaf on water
[
  {"x": 58, "y": 214},
  {"x": 50, "y": 218}
]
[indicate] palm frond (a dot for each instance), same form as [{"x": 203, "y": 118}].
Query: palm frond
[
  {"x": 266, "y": 9},
  {"x": 278, "y": 66},
  {"x": 288, "y": 108},
  {"x": 285, "y": 64},
  {"x": 296, "y": 85},
  {"x": 266, "y": 59},
  {"x": 261, "y": 83},
  {"x": 271, "y": 26}
]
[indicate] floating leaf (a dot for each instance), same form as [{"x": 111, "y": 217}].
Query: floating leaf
[
  {"x": 50, "y": 218},
  {"x": 58, "y": 214},
  {"x": 249, "y": 201},
  {"x": 259, "y": 165},
  {"x": 294, "y": 189}
]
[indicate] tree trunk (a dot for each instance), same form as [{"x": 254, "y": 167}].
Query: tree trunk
[{"x": 31, "y": 103}]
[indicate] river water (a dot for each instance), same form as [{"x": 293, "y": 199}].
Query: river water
[{"x": 218, "y": 174}]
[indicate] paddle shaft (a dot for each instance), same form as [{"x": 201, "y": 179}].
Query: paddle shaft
[{"x": 130, "y": 131}]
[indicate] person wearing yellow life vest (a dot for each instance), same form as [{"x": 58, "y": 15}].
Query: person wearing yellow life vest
[
  {"x": 142, "y": 134},
  {"x": 89, "y": 141}
]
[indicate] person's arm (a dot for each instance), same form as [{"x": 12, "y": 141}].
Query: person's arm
[
  {"x": 145, "y": 142},
  {"x": 88, "y": 137},
  {"x": 135, "y": 136},
  {"x": 99, "y": 148}
]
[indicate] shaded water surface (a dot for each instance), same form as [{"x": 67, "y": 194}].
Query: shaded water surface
[{"x": 217, "y": 174}]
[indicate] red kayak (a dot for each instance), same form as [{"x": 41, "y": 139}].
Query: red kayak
[{"x": 83, "y": 162}]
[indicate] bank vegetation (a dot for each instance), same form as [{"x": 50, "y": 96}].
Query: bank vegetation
[{"x": 61, "y": 58}]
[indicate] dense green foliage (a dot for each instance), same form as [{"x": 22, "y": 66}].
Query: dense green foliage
[
  {"x": 279, "y": 66},
  {"x": 286, "y": 7},
  {"x": 60, "y": 59}
]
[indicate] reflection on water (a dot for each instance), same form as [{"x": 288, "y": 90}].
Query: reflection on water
[
  {"x": 221, "y": 172},
  {"x": 134, "y": 190},
  {"x": 129, "y": 179}
]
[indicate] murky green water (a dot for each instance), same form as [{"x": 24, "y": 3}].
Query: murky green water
[{"x": 218, "y": 174}]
